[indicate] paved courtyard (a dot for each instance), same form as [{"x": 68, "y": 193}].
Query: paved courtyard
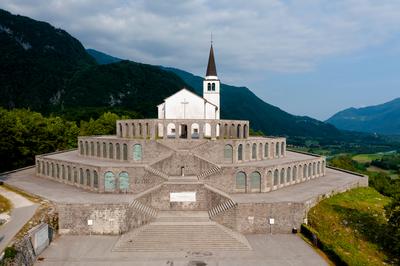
[{"x": 96, "y": 250}]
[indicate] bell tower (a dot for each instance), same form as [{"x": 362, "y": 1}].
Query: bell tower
[{"x": 211, "y": 83}]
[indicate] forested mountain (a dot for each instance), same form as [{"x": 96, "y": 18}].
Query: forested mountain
[
  {"x": 382, "y": 118},
  {"x": 47, "y": 70}
]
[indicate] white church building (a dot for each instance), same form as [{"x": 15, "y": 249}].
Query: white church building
[{"x": 185, "y": 104}]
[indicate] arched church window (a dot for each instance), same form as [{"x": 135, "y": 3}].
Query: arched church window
[
  {"x": 109, "y": 182},
  {"x": 209, "y": 86},
  {"x": 254, "y": 151},
  {"x": 228, "y": 153},
  {"x": 241, "y": 181},
  {"x": 137, "y": 152},
  {"x": 276, "y": 177},
  {"x": 213, "y": 86},
  {"x": 124, "y": 181},
  {"x": 240, "y": 152},
  {"x": 255, "y": 182}
]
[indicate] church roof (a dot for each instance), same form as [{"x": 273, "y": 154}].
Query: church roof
[
  {"x": 184, "y": 89},
  {"x": 211, "y": 69}
]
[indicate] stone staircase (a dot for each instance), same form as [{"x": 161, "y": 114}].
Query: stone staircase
[
  {"x": 209, "y": 172},
  {"x": 156, "y": 172},
  {"x": 222, "y": 207},
  {"x": 182, "y": 231},
  {"x": 147, "y": 210}
]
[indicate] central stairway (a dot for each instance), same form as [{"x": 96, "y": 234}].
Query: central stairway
[{"x": 182, "y": 231}]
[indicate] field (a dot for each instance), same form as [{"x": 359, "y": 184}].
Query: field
[
  {"x": 367, "y": 158},
  {"x": 353, "y": 225}
]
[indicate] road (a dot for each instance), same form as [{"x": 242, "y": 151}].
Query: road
[{"x": 22, "y": 211}]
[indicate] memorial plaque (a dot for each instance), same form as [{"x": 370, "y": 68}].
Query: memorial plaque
[
  {"x": 39, "y": 237},
  {"x": 182, "y": 196}
]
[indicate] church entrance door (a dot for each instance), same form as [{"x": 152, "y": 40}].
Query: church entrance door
[{"x": 183, "y": 131}]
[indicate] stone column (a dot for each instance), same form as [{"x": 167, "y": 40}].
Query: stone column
[
  {"x": 189, "y": 130},
  {"x": 152, "y": 130},
  {"x": 177, "y": 126},
  {"x": 201, "y": 130},
  {"x": 164, "y": 124}
]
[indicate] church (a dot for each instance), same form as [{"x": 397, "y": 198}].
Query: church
[{"x": 185, "y": 104}]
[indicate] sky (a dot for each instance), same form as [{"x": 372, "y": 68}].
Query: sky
[{"x": 307, "y": 57}]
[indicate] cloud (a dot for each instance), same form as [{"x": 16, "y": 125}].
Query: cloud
[{"x": 250, "y": 36}]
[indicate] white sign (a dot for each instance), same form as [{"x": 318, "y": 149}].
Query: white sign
[
  {"x": 182, "y": 196},
  {"x": 271, "y": 221},
  {"x": 89, "y": 222}
]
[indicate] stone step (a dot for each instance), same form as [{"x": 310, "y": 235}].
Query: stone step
[{"x": 181, "y": 231}]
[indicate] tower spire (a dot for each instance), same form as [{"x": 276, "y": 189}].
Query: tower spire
[{"x": 211, "y": 69}]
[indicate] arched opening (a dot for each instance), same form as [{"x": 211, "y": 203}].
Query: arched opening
[
  {"x": 266, "y": 150},
  {"x": 133, "y": 134},
  {"x": 300, "y": 172},
  {"x": 194, "y": 131},
  {"x": 95, "y": 179},
  {"x": 309, "y": 170},
  {"x": 109, "y": 182},
  {"x": 123, "y": 181},
  {"x": 69, "y": 173},
  {"x": 305, "y": 171},
  {"x": 282, "y": 148},
  {"x": 53, "y": 170},
  {"x": 288, "y": 175},
  {"x": 282, "y": 176},
  {"x": 314, "y": 170},
  {"x": 91, "y": 148},
  {"x": 104, "y": 150},
  {"x": 137, "y": 152},
  {"x": 88, "y": 181},
  {"x": 226, "y": 131},
  {"x": 241, "y": 182},
  {"x": 209, "y": 86},
  {"x": 118, "y": 151},
  {"x": 126, "y": 130},
  {"x": 120, "y": 129},
  {"x": 277, "y": 149},
  {"x": 98, "y": 149},
  {"x": 232, "y": 131},
  {"x": 319, "y": 168},
  {"x": 86, "y": 148},
  {"x": 294, "y": 173},
  {"x": 254, "y": 151},
  {"x": 140, "y": 133},
  {"x": 81, "y": 177},
  {"x": 75, "y": 176},
  {"x": 228, "y": 153},
  {"x": 63, "y": 171},
  {"x": 81, "y": 149},
  {"x": 110, "y": 151},
  {"x": 183, "y": 131},
  {"x": 276, "y": 177},
  {"x": 238, "y": 131},
  {"x": 240, "y": 152},
  {"x": 245, "y": 131},
  {"x": 213, "y": 86},
  {"x": 125, "y": 152},
  {"x": 171, "y": 132},
  {"x": 255, "y": 182},
  {"x": 269, "y": 179}
]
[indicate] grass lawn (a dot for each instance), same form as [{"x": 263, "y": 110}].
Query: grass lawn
[
  {"x": 367, "y": 158},
  {"x": 352, "y": 224},
  {"x": 5, "y": 204}
]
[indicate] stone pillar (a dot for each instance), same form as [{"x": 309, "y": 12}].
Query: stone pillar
[
  {"x": 137, "y": 132},
  {"x": 164, "y": 129},
  {"x": 153, "y": 130},
  {"x": 240, "y": 131},
  {"x": 213, "y": 131},
  {"x": 189, "y": 130},
  {"x": 177, "y": 126},
  {"x": 201, "y": 130}
]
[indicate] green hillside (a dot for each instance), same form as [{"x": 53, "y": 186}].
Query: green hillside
[{"x": 383, "y": 118}]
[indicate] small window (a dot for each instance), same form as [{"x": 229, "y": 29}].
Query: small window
[
  {"x": 228, "y": 153},
  {"x": 254, "y": 151},
  {"x": 209, "y": 87},
  {"x": 124, "y": 181},
  {"x": 276, "y": 177},
  {"x": 213, "y": 87},
  {"x": 240, "y": 152},
  {"x": 255, "y": 182},
  {"x": 95, "y": 179}
]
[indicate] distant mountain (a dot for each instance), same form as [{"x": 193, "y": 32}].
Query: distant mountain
[
  {"x": 102, "y": 58},
  {"x": 241, "y": 103},
  {"x": 383, "y": 118}
]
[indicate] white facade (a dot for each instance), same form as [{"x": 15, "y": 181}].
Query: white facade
[
  {"x": 186, "y": 105},
  {"x": 211, "y": 92}
]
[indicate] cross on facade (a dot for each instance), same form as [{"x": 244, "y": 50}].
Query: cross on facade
[{"x": 184, "y": 107}]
